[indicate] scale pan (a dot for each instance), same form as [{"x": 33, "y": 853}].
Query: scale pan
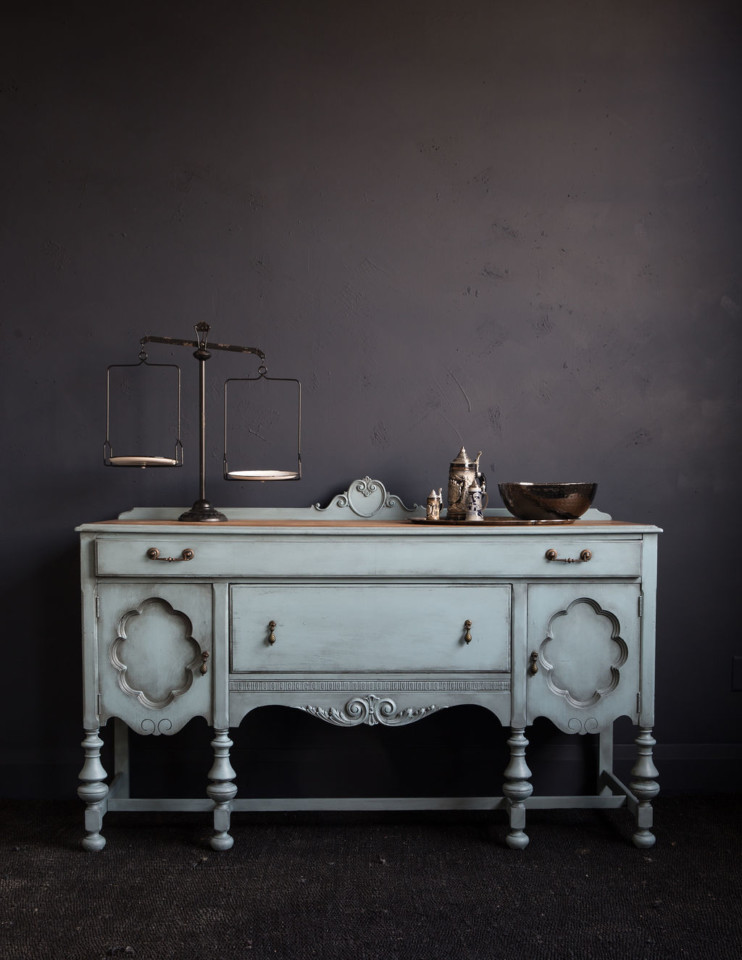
[
  {"x": 143, "y": 462},
  {"x": 262, "y": 475}
]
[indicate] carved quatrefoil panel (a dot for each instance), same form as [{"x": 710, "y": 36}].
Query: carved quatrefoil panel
[
  {"x": 582, "y": 653},
  {"x": 155, "y": 653}
]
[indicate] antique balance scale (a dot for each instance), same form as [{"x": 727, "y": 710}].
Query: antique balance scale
[{"x": 202, "y": 510}]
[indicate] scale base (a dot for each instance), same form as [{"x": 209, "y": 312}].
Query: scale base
[{"x": 202, "y": 512}]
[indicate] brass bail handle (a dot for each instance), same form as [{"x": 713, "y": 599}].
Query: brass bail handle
[
  {"x": 154, "y": 554},
  {"x": 584, "y": 556}
]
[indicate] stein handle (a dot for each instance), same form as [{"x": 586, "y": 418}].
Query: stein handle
[{"x": 482, "y": 481}]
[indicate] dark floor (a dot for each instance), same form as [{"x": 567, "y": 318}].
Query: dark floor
[{"x": 357, "y": 886}]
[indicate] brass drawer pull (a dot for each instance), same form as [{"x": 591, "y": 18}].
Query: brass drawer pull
[
  {"x": 154, "y": 554},
  {"x": 533, "y": 667},
  {"x": 467, "y": 635},
  {"x": 272, "y": 634},
  {"x": 583, "y": 557},
  {"x": 204, "y": 664}
]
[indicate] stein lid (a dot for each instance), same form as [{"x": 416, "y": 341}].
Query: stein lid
[{"x": 463, "y": 459}]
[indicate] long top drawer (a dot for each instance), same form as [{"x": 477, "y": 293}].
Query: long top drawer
[{"x": 184, "y": 556}]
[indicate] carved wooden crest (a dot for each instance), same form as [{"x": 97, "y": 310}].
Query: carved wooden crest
[{"x": 369, "y": 500}]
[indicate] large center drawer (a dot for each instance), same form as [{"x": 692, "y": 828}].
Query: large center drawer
[{"x": 376, "y": 627}]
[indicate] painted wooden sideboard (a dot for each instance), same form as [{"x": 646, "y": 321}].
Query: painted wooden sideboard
[{"x": 360, "y": 612}]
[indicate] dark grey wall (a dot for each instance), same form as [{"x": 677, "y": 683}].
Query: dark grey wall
[{"x": 515, "y": 226}]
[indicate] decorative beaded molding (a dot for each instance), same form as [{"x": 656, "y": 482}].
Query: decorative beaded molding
[
  {"x": 610, "y": 670},
  {"x": 372, "y": 711},
  {"x": 378, "y": 686},
  {"x": 367, "y": 498}
]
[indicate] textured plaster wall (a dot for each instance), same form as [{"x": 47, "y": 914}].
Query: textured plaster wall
[{"x": 515, "y": 226}]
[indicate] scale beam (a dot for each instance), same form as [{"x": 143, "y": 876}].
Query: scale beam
[{"x": 203, "y": 345}]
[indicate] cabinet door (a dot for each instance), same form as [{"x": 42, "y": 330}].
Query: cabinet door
[
  {"x": 154, "y": 649},
  {"x": 583, "y": 654}
]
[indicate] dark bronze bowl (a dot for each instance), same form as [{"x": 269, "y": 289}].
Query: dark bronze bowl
[{"x": 547, "y": 501}]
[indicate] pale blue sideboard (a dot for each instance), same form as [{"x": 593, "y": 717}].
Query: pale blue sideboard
[{"x": 356, "y": 613}]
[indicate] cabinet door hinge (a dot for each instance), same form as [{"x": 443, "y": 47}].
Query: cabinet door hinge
[
  {"x": 97, "y": 704},
  {"x": 639, "y": 703},
  {"x": 640, "y": 605},
  {"x": 97, "y": 607}
]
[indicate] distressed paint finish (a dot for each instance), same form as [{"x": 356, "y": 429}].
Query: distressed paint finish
[{"x": 354, "y": 619}]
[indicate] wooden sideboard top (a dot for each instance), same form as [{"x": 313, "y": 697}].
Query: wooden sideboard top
[
  {"x": 396, "y": 525},
  {"x": 363, "y": 523}
]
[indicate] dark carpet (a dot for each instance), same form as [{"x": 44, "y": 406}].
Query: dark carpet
[{"x": 363, "y": 886}]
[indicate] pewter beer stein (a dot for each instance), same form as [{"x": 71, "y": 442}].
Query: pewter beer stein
[
  {"x": 433, "y": 509},
  {"x": 475, "y": 501},
  {"x": 462, "y": 473}
]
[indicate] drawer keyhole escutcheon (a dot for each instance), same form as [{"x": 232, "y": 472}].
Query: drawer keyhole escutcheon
[
  {"x": 467, "y": 635},
  {"x": 533, "y": 668},
  {"x": 154, "y": 554},
  {"x": 204, "y": 664},
  {"x": 272, "y": 634},
  {"x": 584, "y": 556}
]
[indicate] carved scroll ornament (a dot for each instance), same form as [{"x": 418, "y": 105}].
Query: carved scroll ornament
[
  {"x": 367, "y": 498},
  {"x": 370, "y": 710}
]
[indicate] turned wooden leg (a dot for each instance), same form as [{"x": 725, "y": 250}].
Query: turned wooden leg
[
  {"x": 93, "y": 790},
  {"x": 644, "y": 787},
  {"x": 221, "y": 790},
  {"x": 517, "y": 789}
]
